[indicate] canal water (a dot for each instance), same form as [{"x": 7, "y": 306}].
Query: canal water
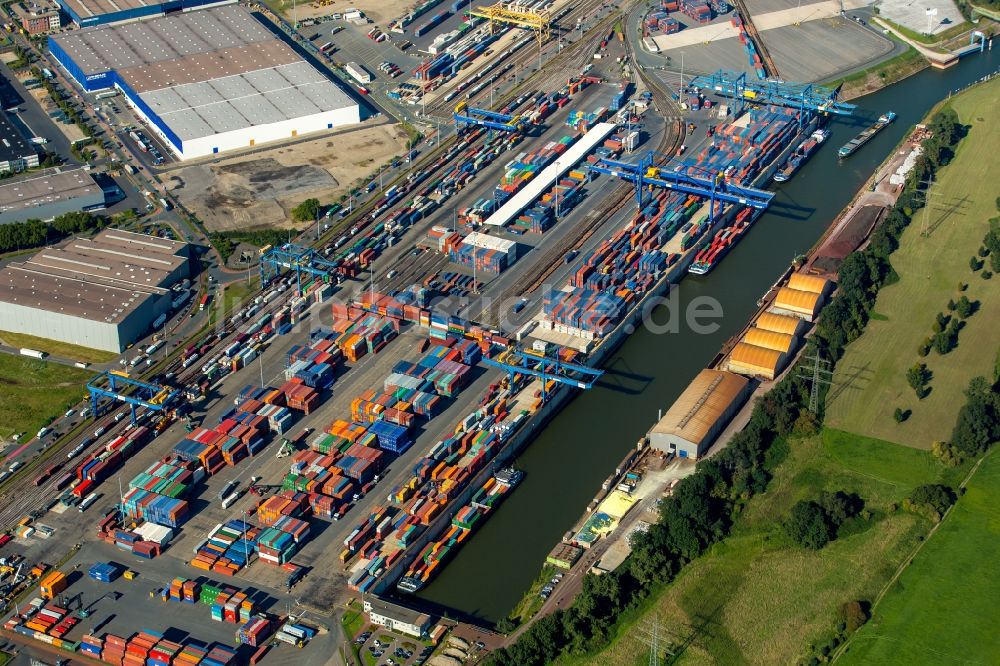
[{"x": 566, "y": 464}]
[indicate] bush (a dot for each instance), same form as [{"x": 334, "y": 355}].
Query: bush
[
  {"x": 964, "y": 308},
  {"x": 854, "y": 615},
  {"x": 930, "y": 500},
  {"x": 308, "y": 210},
  {"x": 813, "y": 524},
  {"x": 918, "y": 375},
  {"x": 946, "y": 454},
  {"x": 807, "y": 525}
]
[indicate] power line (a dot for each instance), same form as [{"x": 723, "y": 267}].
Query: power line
[
  {"x": 821, "y": 375},
  {"x": 652, "y": 635}
]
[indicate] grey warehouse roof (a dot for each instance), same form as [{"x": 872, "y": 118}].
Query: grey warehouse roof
[
  {"x": 25, "y": 194},
  {"x": 69, "y": 294},
  {"x": 119, "y": 47},
  {"x": 255, "y": 98},
  {"x": 86, "y": 8},
  {"x": 103, "y": 279},
  {"x": 209, "y": 71},
  {"x": 12, "y": 144}
]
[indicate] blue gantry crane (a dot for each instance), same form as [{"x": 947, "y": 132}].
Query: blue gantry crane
[
  {"x": 805, "y": 97},
  {"x": 526, "y": 362},
  {"x": 296, "y": 258},
  {"x": 713, "y": 186},
  {"x": 113, "y": 384},
  {"x": 504, "y": 122}
]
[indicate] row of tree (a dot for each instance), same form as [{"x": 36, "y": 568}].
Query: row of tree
[
  {"x": 863, "y": 273},
  {"x": 702, "y": 508},
  {"x": 698, "y": 514},
  {"x": 35, "y": 233}
]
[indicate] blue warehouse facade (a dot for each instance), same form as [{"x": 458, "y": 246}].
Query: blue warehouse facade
[
  {"x": 110, "y": 79},
  {"x": 89, "y": 13},
  {"x": 200, "y": 99}
]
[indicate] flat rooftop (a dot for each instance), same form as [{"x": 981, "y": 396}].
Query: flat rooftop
[
  {"x": 261, "y": 97},
  {"x": 120, "y": 47},
  {"x": 91, "y": 8},
  {"x": 13, "y": 145},
  {"x": 57, "y": 185},
  {"x": 68, "y": 294},
  {"x": 207, "y": 72},
  {"x": 142, "y": 242},
  {"x": 100, "y": 279}
]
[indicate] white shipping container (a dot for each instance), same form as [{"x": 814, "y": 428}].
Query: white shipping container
[{"x": 358, "y": 73}]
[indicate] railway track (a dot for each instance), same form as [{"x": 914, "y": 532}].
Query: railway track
[
  {"x": 751, "y": 28},
  {"x": 670, "y": 142},
  {"x": 526, "y": 56},
  {"x": 21, "y": 497}
]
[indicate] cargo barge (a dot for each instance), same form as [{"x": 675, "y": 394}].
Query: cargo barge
[
  {"x": 465, "y": 521},
  {"x": 866, "y": 135},
  {"x": 765, "y": 137},
  {"x": 713, "y": 251},
  {"x": 799, "y": 156}
]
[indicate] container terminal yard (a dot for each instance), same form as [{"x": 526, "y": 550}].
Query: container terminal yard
[{"x": 348, "y": 429}]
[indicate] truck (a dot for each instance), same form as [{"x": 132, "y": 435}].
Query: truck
[
  {"x": 88, "y": 501},
  {"x": 34, "y": 353},
  {"x": 358, "y": 73}
]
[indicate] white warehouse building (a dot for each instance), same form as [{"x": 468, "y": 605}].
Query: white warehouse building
[{"x": 207, "y": 81}]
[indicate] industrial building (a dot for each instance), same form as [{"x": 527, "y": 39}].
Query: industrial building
[
  {"x": 755, "y": 361},
  {"x": 102, "y": 293},
  {"x": 49, "y": 194},
  {"x": 16, "y": 153},
  {"x": 36, "y": 16},
  {"x": 700, "y": 413},
  {"x": 780, "y": 342},
  {"x": 802, "y": 297},
  {"x": 207, "y": 81},
  {"x": 86, "y": 13},
  {"x": 770, "y": 321},
  {"x": 397, "y": 618}
]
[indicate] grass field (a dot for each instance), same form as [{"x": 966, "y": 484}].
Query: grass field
[
  {"x": 233, "y": 296},
  {"x": 942, "y": 610},
  {"x": 33, "y": 392},
  {"x": 870, "y": 381},
  {"x": 758, "y": 598},
  {"x": 56, "y": 348}
]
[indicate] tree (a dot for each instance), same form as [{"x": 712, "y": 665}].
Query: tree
[
  {"x": 807, "y": 525},
  {"x": 943, "y": 342},
  {"x": 308, "y": 210},
  {"x": 930, "y": 500},
  {"x": 506, "y": 625},
  {"x": 854, "y": 615},
  {"x": 978, "y": 423},
  {"x": 975, "y": 264},
  {"x": 900, "y": 415},
  {"x": 946, "y": 453},
  {"x": 964, "y": 307},
  {"x": 917, "y": 376},
  {"x": 839, "y": 506}
]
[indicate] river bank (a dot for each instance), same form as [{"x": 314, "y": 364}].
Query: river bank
[{"x": 584, "y": 442}]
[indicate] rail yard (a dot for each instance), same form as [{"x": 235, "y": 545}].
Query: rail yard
[{"x": 341, "y": 435}]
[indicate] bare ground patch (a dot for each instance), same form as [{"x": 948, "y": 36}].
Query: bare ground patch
[{"x": 260, "y": 189}]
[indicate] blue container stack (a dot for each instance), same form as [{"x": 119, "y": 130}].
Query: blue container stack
[
  {"x": 391, "y": 437},
  {"x": 104, "y": 572}
]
